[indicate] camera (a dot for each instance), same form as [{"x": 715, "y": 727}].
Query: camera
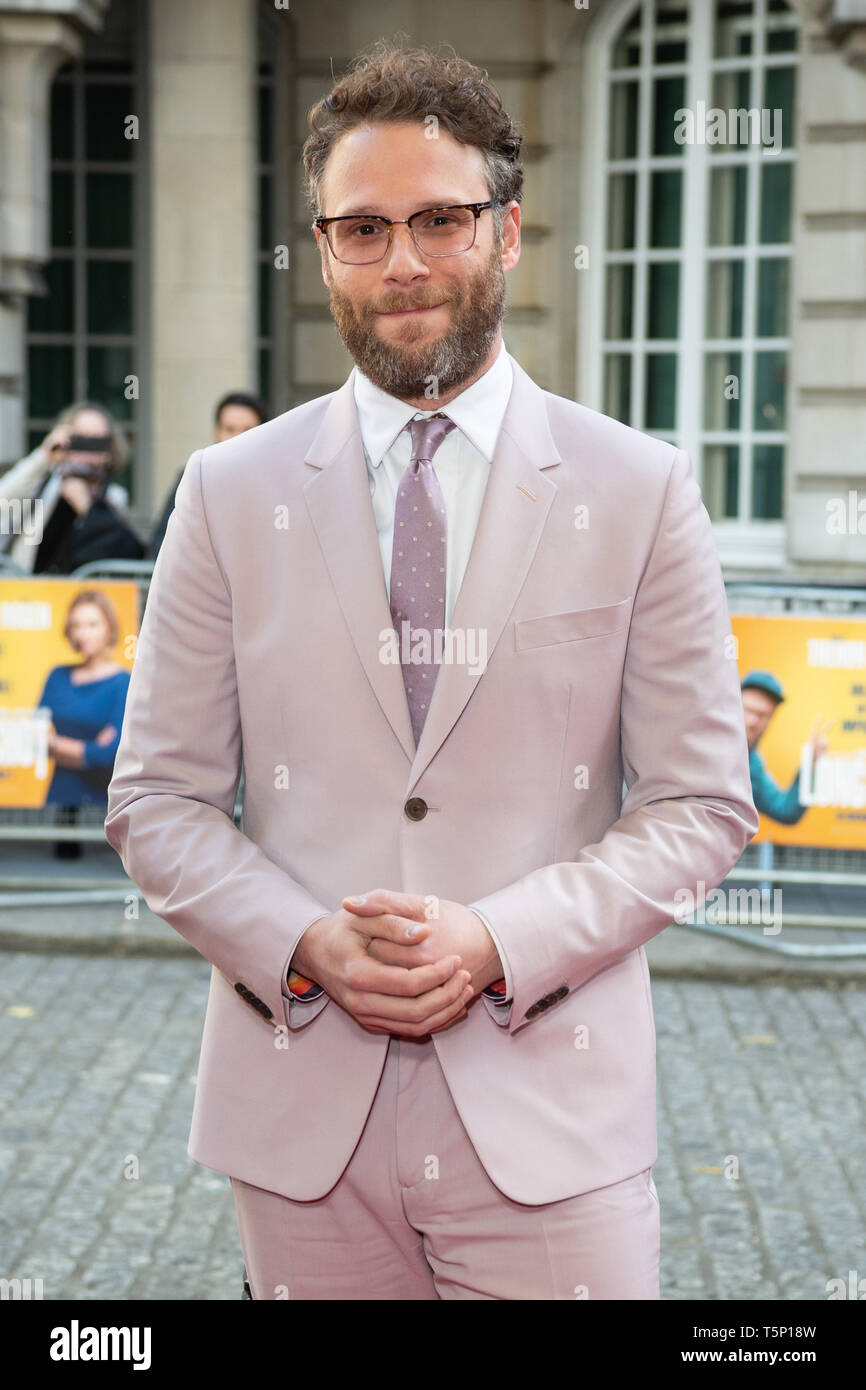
[{"x": 85, "y": 444}]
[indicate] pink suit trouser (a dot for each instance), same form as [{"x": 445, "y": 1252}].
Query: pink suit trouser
[{"x": 415, "y": 1216}]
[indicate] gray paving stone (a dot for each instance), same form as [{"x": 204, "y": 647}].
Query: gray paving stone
[{"x": 767, "y": 1072}]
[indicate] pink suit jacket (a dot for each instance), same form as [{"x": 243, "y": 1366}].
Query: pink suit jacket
[{"x": 595, "y": 576}]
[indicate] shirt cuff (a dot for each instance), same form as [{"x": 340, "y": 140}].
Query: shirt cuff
[
  {"x": 300, "y": 989},
  {"x": 502, "y": 991}
]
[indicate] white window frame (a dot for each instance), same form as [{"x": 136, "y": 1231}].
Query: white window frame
[
  {"x": 747, "y": 543},
  {"x": 80, "y": 338}
]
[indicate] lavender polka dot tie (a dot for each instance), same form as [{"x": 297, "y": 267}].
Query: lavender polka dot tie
[{"x": 418, "y": 566}]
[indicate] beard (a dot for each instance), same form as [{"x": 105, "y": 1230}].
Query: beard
[{"x": 407, "y": 368}]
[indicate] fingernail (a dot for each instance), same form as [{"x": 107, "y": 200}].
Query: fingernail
[
  {"x": 412, "y": 931},
  {"x": 360, "y": 899}
]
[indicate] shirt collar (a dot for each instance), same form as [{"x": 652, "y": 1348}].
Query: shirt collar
[{"x": 477, "y": 412}]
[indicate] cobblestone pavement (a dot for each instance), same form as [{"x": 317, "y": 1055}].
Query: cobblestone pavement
[{"x": 761, "y": 1170}]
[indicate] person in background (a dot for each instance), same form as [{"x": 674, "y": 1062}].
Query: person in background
[
  {"x": 83, "y": 512},
  {"x": 235, "y": 413},
  {"x": 762, "y": 695},
  {"x": 86, "y": 701}
]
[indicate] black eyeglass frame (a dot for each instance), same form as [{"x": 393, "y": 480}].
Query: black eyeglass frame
[{"x": 391, "y": 222}]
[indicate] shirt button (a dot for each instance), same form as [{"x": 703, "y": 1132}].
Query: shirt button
[{"x": 415, "y": 808}]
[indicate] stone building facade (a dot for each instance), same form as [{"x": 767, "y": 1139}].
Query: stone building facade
[{"x": 694, "y": 230}]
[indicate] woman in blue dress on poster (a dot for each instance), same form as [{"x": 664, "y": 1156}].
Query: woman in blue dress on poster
[{"x": 87, "y": 701}]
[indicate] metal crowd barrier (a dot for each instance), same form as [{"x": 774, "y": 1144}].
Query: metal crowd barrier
[
  {"x": 763, "y": 864},
  {"x": 767, "y": 865},
  {"x": 73, "y": 885}
]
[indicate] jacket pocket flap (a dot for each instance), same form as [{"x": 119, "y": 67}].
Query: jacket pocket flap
[{"x": 569, "y": 627}]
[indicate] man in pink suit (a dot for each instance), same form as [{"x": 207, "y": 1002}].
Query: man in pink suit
[{"x": 445, "y": 618}]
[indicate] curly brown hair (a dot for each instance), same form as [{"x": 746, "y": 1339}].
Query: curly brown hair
[{"x": 388, "y": 83}]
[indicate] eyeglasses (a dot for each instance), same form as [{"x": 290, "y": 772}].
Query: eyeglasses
[{"x": 443, "y": 231}]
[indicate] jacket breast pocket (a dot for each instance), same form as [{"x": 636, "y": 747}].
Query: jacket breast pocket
[{"x": 553, "y": 628}]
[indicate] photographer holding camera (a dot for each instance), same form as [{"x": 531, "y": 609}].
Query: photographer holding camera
[{"x": 70, "y": 474}]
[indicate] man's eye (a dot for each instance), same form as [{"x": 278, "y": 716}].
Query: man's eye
[
  {"x": 364, "y": 229},
  {"x": 441, "y": 219}
]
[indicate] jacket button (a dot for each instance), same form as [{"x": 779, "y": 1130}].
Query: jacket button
[{"x": 415, "y": 808}]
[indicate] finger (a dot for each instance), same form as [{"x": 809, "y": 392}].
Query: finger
[
  {"x": 439, "y": 1026},
  {"x": 390, "y": 926},
  {"x": 389, "y": 981},
  {"x": 411, "y": 905},
  {"x": 435, "y": 1023},
  {"x": 397, "y": 1011},
  {"x": 424, "y": 979},
  {"x": 409, "y": 956},
  {"x": 380, "y": 1026},
  {"x": 416, "y": 1010},
  {"x": 446, "y": 1016}
]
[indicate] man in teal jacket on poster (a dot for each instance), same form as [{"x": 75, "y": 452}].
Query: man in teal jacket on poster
[{"x": 762, "y": 695}]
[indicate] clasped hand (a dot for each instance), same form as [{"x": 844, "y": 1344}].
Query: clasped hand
[{"x": 399, "y": 962}]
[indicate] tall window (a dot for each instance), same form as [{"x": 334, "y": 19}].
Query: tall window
[
  {"x": 696, "y": 160},
  {"x": 83, "y": 335}
]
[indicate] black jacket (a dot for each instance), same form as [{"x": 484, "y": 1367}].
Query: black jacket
[{"x": 70, "y": 540}]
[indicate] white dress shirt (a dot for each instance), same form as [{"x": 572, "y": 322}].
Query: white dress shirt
[{"x": 462, "y": 463}]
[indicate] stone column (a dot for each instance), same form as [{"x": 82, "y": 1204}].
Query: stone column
[
  {"x": 828, "y": 403},
  {"x": 202, "y": 197}
]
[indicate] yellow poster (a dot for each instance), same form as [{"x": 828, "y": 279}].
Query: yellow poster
[
  {"x": 805, "y": 712},
  {"x": 66, "y": 652}
]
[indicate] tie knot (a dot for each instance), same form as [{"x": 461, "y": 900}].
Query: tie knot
[{"x": 427, "y": 435}]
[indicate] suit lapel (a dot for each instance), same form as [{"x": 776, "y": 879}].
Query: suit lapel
[
  {"x": 338, "y": 499},
  {"x": 513, "y": 513}
]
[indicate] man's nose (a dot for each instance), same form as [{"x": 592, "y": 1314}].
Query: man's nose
[{"x": 403, "y": 252}]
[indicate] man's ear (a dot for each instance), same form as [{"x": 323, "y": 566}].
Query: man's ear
[{"x": 511, "y": 234}]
